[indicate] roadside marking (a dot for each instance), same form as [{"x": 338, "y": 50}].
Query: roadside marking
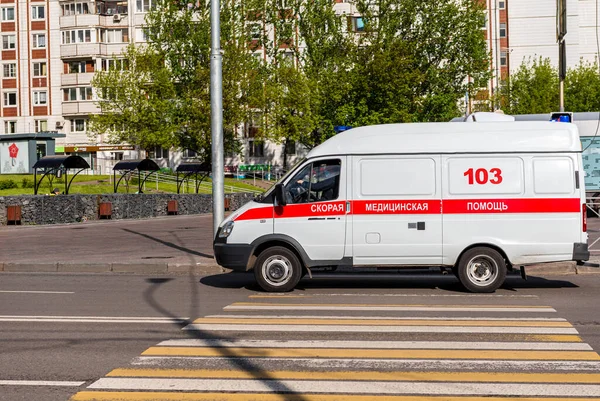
[
  {"x": 350, "y": 387},
  {"x": 153, "y": 396},
  {"x": 378, "y": 307},
  {"x": 375, "y": 364},
  {"x": 40, "y": 383},
  {"x": 423, "y": 376},
  {"x": 329, "y": 321},
  {"x": 379, "y": 329},
  {"x": 348, "y": 317},
  {"x": 540, "y": 346},
  {"x": 92, "y": 319},
  {"x": 372, "y": 353},
  {"x": 314, "y": 295},
  {"x": 36, "y": 292}
]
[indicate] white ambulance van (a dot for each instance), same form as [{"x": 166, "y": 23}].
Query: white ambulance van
[{"x": 478, "y": 197}]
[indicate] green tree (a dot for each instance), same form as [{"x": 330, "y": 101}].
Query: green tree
[
  {"x": 179, "y": 41},
  {"x": 136, "y": 102},
  {"x": 532, "y": 89},
  {"x": 416, "y": 58},
  {"x": 582, "y": 87}
]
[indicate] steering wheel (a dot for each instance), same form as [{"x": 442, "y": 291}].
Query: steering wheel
[{"x": 299, "y": 192}]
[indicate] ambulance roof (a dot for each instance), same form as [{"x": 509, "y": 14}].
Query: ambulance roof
[{"x": 454, "y": 137}]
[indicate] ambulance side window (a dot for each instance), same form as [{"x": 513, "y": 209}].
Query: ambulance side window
[
  {"x": 553, "y": 175},
  {"x": 316, "y": 182}
]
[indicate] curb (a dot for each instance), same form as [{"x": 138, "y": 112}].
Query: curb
[
  {"x": 560, "y": 268},
  {"x": 137, "y": 268}
]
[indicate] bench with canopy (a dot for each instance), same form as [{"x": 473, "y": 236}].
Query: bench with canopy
[
  {"x": 129, "y": 166},
  {"x": 55, "y": 165}
]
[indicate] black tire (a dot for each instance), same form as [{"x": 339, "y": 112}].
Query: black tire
[
  {"x": 277, "y": 269},
  {"x": 481, "y": 269}
]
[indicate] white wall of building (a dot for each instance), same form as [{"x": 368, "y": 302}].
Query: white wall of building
[{"x": 532, "y": 31}]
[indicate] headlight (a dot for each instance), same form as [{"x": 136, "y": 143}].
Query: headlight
[{"x": 226, "y": 230}]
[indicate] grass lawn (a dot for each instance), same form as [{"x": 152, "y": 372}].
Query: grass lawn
[{"x": 102, "y": 184}]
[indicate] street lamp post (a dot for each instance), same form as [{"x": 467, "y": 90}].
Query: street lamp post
[{"x": 216, "y": 108}]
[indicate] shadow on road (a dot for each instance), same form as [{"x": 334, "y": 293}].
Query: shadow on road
[
  {"x": 242, "y": 363},
  {"x": 400, "y": 281},
  {"x": 169, "y": 244}
]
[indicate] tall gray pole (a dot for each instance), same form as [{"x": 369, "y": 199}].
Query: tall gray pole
[{"x": 216, "y": 109}]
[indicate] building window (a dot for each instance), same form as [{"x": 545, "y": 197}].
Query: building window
[
  {"x": 40, "y": 98},
  {"x": 9, "y": 70},
  {"x": 78, "y": 125},
  {"x": 503, "y": 29},
  {"x": 41, "y": 125},
  {"x": 75, "y": 94},
  {"x": 8, "y": 14},
  {"x": 10, "y": 127},
  {"x": 290, "y": 147},
  {"x": 158, "y": 153},
  {"x": 503, "y": 59},
  {"x": 10, "y": 99},
  {"x": 189, "y": 154},
  {"x": 485, "y": 20},
  {"x": 40, "y": 69},
  {"x": 501, "y": 4},
  {"x": 114, "y": 64},
  {"x": 77, "y": 36},
  {"x": 256, "y": 149},
  {"x": 255, "y": 29},
  {"x": 38, "y": 12},
  {"x": 8, "y": 42},
  {"x": 114, "y": 35},
  {"x": 357, "y": 24},
  {"x": 143, "y": 6},
  {"x": 85, "y": 93},
  {"x": 39, "y": 41},
  {"x": 76, "y": 67}
]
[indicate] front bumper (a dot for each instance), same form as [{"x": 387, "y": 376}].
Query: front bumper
[
  {"x": 580, "y": 252},
  {"x": 233, "y": 256}
]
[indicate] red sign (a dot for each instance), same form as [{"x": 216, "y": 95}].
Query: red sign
[{"x": 13, "y": 150}]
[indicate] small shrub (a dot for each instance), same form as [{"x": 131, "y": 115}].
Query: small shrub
[
  {"x": 26, "y": 183},
  {"x": 8, "y": 184}
]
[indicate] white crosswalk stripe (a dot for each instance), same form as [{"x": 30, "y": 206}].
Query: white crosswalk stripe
[{"x": 307, "y": 351}]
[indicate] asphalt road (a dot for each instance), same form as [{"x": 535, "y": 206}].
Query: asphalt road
[{"x": 63, "y": 335}]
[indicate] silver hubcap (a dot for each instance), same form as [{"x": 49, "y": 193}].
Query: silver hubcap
[
  {"x": 277, "y": 270},
  {"x": 482, "y": 270}
]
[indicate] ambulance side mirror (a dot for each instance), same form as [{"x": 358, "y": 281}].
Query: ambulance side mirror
[{"x": 279, "y": 196}]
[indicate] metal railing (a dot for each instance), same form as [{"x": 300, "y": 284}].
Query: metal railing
[{"x": 189, "y": 184}]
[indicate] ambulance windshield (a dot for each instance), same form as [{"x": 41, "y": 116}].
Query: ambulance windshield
[{"x": 267, "y": 197}]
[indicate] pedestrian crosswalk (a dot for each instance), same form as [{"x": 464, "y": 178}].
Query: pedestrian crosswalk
[{"x": 285, "y": 348}]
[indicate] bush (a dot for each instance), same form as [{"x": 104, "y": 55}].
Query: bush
[
  {"x": 8, "y": 184},
  {"x": 26, "y": 183}
]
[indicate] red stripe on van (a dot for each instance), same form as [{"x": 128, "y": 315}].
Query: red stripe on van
[
  {"x": 397, "y": 207},
  {"x": 258, "y": 213},
  {"x": 537, "y": 205}
]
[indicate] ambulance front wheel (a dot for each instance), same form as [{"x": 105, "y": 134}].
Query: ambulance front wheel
[
  {"x": 277, "y": 269},
  {"x": 481, "y": 269}
]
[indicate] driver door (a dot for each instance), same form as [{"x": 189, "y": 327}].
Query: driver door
[{"x": 315, "y": 213}]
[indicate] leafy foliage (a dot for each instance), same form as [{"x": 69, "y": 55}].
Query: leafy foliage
[{"x": 534, "y": 88}]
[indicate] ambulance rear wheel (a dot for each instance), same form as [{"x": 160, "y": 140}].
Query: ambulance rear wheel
[
  {"x": 481, "y": 270},
  {"x": 277, "y": 269}
]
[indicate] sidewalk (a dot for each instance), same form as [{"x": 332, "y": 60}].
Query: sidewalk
[
  {"x": 158, "y": 245},
  {"x": 171, "y": 244}
]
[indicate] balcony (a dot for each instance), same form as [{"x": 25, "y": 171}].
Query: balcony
[
  {"x": 92, "y": 49},
  {"x": 79, "y": 20},
  {"x": 76, "y": 79},
  {"x": 80, "y": 108}
]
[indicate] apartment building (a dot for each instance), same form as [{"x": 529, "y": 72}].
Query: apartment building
[
  {"x": 52, "y": 48},
  {"x": 517, "y": 30}
]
